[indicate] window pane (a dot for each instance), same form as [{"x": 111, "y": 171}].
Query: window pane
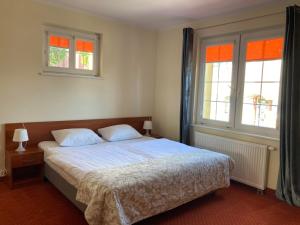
[
  {"x": 253, "y": 71},
  {"x": 209, "y": 110},
  {"x": 84, "y": 55},
  {"x": 58, "y": 51},
  {"x": 210, "y": 91},
  {"x": 222, "y": 111},
  {"x": 270, "y": 93},
  {"x": 215, "y": 72},
  {"x": 268, "y": 116},
  {"x": 272, "y": 70},
  {"x": 250, "y": 114},
  {"x": 225, "y": 71},
  {"x": 217, "y": 85},
  {"x": 211, "y": 72},
  {"x": 252, "y": 93},
  {"x": 224, "y": 90}
]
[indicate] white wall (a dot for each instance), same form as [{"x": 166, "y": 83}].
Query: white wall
[
  {"x": 141, "y": 69},
  {"x": 168, "y": 71},
  {"x": 128, "y": 69}
]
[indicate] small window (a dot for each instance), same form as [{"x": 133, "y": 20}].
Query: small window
[{"x": 70, "y": 52}]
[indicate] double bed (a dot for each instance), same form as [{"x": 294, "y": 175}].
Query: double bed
[{"x": 123, "y": 182}]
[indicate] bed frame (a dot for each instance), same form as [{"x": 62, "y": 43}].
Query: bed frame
[
  {"x": 68, "y": 190},
  {"x": 41, "y": 131}
]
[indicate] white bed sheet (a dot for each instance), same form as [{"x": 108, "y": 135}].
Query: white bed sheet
[
  {"x": 84, "y": 159},
  {"x": 73, "y": 163}
]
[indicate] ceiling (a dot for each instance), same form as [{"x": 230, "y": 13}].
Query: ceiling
[{"x": 158, "y": 13}]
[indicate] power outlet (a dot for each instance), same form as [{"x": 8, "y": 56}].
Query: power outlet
[{"x": 2, "y": 172}]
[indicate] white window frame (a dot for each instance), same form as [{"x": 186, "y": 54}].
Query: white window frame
[
  {"x": 238, "y": 77},
  {"x": 73, "y": 36},
  {"x": 245, "y": 37},
  {"x": 204, "y": 44}
]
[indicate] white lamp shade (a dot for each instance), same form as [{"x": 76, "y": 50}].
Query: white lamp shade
[
  {"x": 147, "y": 125},
  {"x": 20, "y": 135}
]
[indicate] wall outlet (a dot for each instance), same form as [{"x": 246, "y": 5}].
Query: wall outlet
[{"x": 2, "y": 172}]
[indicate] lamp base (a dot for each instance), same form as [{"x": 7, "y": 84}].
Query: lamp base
[
  {"x": 20, "y": 148},
  {"x": 148, "y": 133}
]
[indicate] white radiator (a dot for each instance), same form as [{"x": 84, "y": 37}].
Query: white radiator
[{"x": 251, "y": 160}]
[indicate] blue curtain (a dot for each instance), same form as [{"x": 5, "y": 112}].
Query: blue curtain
[
  {"x": 288, "y": 187},
  {"x": 186, "y": 85}
]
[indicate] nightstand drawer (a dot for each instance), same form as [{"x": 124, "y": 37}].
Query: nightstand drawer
[{"x": 27, "y": 160}]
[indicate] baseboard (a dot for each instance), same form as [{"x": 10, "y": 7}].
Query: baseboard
[{"x": 270, "y": 191}]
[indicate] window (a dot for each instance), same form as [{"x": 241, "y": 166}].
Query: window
[
  {"x": 71, "y": 53},
  {"x": 240, "y": 82},
  {"x": 217, "y": 88},
  {"x": 218, "y": 69},
  {"x": 262, "y": 80}
]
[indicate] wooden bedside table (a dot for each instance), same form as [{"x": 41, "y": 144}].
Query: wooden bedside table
[
  {"x": 24, "y": 167},
  {"x": 156, "y": 136}
]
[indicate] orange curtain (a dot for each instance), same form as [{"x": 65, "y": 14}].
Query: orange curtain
[
  {"x": 219, "y": 53},
  {"x": 270, "y": 49},
  {"x": 60, "y": 42},
  {"x": 84, "y": 46}
]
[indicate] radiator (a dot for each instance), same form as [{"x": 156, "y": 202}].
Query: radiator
[{"x": 251, "y": 159}]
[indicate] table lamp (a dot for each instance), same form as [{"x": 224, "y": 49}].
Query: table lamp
[
  {"x": 20, "y": 135},
  {"x": 147, "y": 126}
]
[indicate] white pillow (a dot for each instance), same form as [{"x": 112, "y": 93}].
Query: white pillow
[
  {"x": 76, "y": 137},
  {"x": 119, "y": 133}
]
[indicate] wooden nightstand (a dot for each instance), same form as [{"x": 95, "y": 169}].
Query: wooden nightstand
[
  {"x": 24, "y": 167},
  {"x": 156, "y": 136}
]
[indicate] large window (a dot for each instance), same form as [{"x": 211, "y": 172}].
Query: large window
[
  {"x": 71, "y": 53},
  {"x": 240, "y": 82}
]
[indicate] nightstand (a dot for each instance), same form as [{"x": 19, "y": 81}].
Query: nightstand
[
  {"x": 155, "y": 136},
  {"x": 24, "y": 167}
]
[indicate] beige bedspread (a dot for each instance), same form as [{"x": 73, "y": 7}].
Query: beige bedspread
[{"x": 125, "y": 195}]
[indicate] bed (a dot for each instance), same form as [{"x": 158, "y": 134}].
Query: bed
[{"x": 123, "y": 182}]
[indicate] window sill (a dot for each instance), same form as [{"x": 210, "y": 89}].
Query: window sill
[
  {"x": 54, "y": 74},
  {"x": 198, "y": 127}
]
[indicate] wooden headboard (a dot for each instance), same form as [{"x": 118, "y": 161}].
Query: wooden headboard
[{"x": 41, "y": 131}]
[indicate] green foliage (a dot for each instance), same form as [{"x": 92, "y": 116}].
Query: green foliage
[
  {"x": 57, "y": 55},
  {"x": 85, "y": 58}
]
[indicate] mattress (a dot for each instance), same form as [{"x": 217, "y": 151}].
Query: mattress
[
  {"x": 84, "y": 159},
  {"x": 164, "y": 174},
  {"x": 124, "y": 182}
]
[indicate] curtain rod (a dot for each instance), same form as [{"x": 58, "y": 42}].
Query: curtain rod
[{"x": 241, "y": 20}]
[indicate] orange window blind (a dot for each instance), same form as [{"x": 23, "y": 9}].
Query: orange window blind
[
  {"x": 84, "y": 46},
  {"x": 270, "y": 49},
  {"x": 219, "y": 53},
  {"x": 60, "y": 42}
]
